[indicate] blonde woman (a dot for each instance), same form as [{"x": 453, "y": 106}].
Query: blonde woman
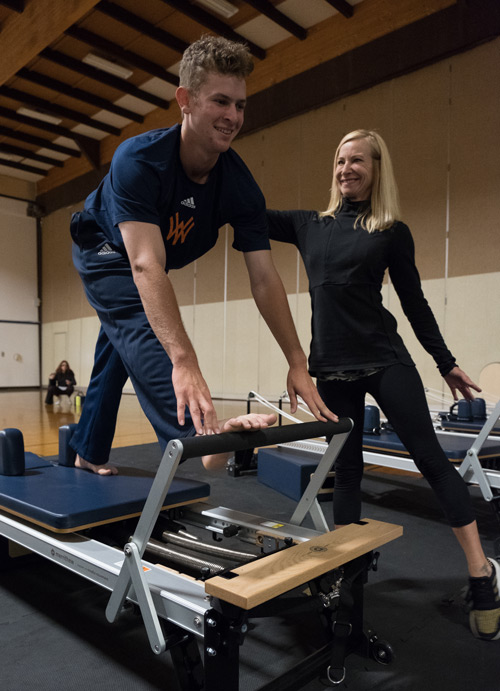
[{"x": 356, "y": 349}]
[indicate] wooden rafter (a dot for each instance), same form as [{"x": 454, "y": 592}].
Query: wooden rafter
[
  {"x": 270, "y": 11},
  {"x": 133, "y": 21},
  {"x": 77, "y": 94},
  {"x": 57, "y": 110},
  {"x": 17, "y": 135},
  {"x": 100, "y": 76},
  {"x": 42, "y": 22},
  {"x": 126, "y": 56},
  {"x": 216, "y": 25},
  {"x": 342, "y": 6}
]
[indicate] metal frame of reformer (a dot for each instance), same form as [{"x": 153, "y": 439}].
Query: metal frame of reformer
[
  {"x": 132, "y": 572},
  {"x": 183, "y": 604}
]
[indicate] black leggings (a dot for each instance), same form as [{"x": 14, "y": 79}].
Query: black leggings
[{"x": 399, "y": 391}]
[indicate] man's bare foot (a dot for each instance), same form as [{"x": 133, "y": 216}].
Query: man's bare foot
[
  {"x": 105, "y": 469},
  {"x": 251, "y": 421},
  {"x": 242, "y": 423}
]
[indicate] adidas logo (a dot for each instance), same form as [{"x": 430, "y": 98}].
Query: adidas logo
[
  {"x": 107, "y": 249},
  {"x": 189, "y": 202}
]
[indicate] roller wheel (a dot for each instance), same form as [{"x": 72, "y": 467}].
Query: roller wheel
[{"x": 382, "y": 652}]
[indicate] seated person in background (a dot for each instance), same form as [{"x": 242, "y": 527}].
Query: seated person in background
[{"x": 61, "y": 382}]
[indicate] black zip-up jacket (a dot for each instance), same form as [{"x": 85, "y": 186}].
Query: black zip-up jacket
[{"x": 345, "y": 264}]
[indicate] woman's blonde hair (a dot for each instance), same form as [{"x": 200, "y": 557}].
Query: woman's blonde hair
[{"x": 383, "y": 210}]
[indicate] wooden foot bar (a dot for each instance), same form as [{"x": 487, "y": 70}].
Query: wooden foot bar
[{"x": 252, "y": 584}]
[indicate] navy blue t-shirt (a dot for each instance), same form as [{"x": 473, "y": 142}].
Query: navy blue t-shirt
[{"x": 147, "y": 183}]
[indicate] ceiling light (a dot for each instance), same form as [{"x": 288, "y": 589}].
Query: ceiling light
[
  {"x": 225, "y": 9},
  {"x": 39, "y": 115},
  {"x": 107, "y": 66}
]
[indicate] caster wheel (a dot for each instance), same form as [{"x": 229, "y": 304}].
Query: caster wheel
[{"x": 382, "y": 652}]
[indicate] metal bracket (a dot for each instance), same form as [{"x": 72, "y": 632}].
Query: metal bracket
[
  {"x": 309, "y": 503},
  {"x": 132, "y": 572},
  {"x": 471, "y": 465}
]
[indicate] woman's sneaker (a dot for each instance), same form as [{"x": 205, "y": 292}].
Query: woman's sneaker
[{"x": 484, "y": 599}]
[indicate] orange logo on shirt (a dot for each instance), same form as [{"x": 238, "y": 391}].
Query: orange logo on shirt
[{"x": 180, "y": 230}]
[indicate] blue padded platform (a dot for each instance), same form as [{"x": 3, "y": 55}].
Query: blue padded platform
[
  {"x": 287, "y": 471},
  {"x": 32, "y": 461},
  {"x": 454, "y": 447},
  {"x": 64, "y": 499},
  {"x": 473, "y": 427}
]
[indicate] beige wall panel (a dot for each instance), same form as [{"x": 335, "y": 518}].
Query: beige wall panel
[
  {"x": 419, "y": 148},
  {"x": 473, "y": 321},
  {"x": 273, "y": 367},
  {"x": 489, "y": 381},
  {"x": 281, "y": 163},
  {"x": 238, "y": 283},
  {"x": 209, "y": 344},
  {"x": 242, "y": 355},
  {"x": 50, "y": 358},
  {"x": 320, "y": 133},
  {"x": 252, "y": 151},
  {"x": 75, "y": 352},
  {"x": 183, "y": 283},
  {"x": 210, "y": 270},
  {"x": 475, "y": 161},
  {"x": 303, "y": 320},
  {"x": 63, "y": 296},
  {"x": 13, "y": 187},
  {"x": 188, "y": 319},
  {"x": 280, "y": 182},
  {"x": 88, "y": 333}
]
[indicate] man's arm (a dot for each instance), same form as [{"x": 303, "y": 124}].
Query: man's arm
[
  {"x": 270, "y": 298},
  {"x": 146, "y": 252}
]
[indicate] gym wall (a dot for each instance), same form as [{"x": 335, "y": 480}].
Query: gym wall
[
  {"x": 19, "y": 329},
  {"x": 441, "y": 124}
]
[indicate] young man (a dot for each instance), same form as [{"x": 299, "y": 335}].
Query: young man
[{"x": 160, "y": 207}]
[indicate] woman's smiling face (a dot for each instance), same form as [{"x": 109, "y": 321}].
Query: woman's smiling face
[{"x": 354, "y": 170}]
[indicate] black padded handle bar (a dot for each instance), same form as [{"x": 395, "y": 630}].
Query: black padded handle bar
[{"x": 239, "y": 441}]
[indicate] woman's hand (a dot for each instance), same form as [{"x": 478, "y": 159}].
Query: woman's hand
[{"x": 457, "y": 380}]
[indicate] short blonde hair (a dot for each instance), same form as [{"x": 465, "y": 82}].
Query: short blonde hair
[
  {"x": 213, "y": 54},
  {"x": 383, "y": 210}
]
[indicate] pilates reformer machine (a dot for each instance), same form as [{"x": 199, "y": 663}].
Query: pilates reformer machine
[
  {"x": 476, "y": 459},
  {"x": 197, "y": 599}
]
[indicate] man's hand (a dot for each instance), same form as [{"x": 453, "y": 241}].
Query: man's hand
[
  {"x": 192, "y": 391},
  {"x": 458, "y": 380},
  {"x": 299, "y": 383}
]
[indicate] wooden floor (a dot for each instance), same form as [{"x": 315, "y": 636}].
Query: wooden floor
[{"x": 39, "y": 423}]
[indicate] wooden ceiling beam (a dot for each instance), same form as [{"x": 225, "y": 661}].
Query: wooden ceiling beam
[
  {"x": 42, "y": 22},
  {"x": 23, "y": 166},
  {"x": 133, "y": 21},
  {"x": 126, "y": 56},
  {"x": 78, "y": 94},
  {"x": 15, "y": 5},
  {"x": 272, "y": 13},
  {"x": 342, "y": 6},
  {"x": 26, "y": 153},
  {"x": 103, "y": 77},
  {"x": 17, "y": 135},
  {"x": 59, "y": 111},
  {"x": 216, "y": 25}
]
